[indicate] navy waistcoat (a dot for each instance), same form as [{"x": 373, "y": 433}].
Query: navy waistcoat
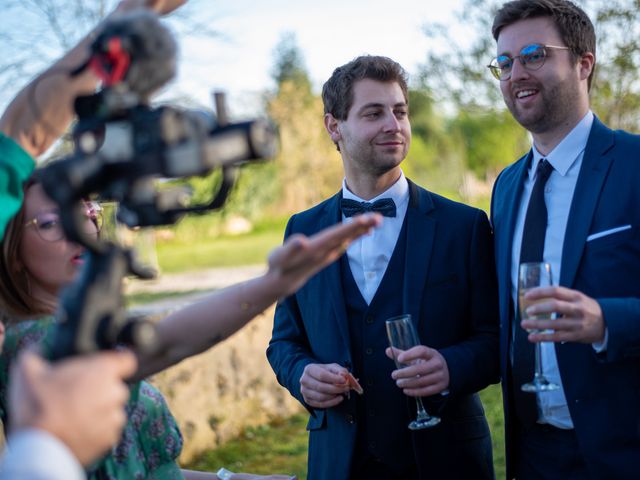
[{"x": 382, "y": 414}]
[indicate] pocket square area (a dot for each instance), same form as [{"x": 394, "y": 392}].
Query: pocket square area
[{"x": 609, "y": 231}]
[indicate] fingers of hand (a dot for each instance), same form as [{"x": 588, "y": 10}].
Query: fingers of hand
[
  {"x": 121, "y": 364},
  {"x": 321, "y": 395},
  {"x": 414, "y": 354},
  {"x": 328, "y": 403},
  {"x": 558, "y": 293},
  {"x": 325, "y": 379},
  {"x": 427, "y": 391},
  {"x": 419, "y": 372}
]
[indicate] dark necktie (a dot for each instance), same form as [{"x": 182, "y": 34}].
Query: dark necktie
[
  {"x": 533, "y": 233},
  {"x": 385, "y": 206}
]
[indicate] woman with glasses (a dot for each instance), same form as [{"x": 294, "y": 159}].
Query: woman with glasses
[{"x": 37, "y": 262}]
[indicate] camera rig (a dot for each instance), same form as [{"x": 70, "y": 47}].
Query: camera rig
[{"x": 122, "y": 146}]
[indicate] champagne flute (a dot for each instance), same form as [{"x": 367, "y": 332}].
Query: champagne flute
[
  {"x": 402, "y": 336},
  {"x": 533, "y": 275}
]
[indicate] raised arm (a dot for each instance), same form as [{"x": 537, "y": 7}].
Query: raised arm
[
  {"x": 198, "y": 327},
  {"x": 42, "y": 111}
]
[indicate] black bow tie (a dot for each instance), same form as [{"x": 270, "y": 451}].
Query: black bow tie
[{"x": 385, "y": 206}]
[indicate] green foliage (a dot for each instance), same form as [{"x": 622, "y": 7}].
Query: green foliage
[
  {"x": 616, "y": 88},
  {"x": 279, "y": 447},
  {"x": 289, "y": 64},
  {"x": 434, "y": 159},
  {"x": 197, "y": 243},
  {"x": 491, "y": 140},
  {"x": 457, "y": 71}
]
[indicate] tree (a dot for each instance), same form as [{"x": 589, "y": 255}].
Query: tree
[
  {"x": 289, "y": 64},
  {"x": 480, "y": 121},
  {"x": 459, "y": 75},
  {"x": 308, "y": 166},
  {"x": 616, "y": 89}
]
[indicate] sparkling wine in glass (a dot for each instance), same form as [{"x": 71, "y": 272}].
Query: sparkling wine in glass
[
  {"x": 533, "y": 275},
  {"x": 402, "y": 336}
]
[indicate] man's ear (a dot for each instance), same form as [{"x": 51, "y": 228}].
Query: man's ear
[
  {"x": 586, "y": 63},
  {"x": 331, "y": 124}
]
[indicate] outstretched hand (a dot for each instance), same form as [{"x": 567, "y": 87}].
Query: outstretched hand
[{"x": 300, "y": 257}]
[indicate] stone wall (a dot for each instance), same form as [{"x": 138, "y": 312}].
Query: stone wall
[{"x": 216, "y": 394}]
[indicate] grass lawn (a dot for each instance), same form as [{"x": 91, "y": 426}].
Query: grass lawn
[
  {"x": 281, "y": 447},
  {"x": 195, "y": 246}
]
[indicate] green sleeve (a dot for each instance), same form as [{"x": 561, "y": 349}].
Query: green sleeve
[{"x": 16, "y": 166}]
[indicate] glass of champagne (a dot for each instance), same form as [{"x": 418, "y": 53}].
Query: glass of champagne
[
  {"x": 533, "y": 275},
  {"x": 402, "y": 336}
]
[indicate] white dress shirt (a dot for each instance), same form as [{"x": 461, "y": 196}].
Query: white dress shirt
[
  {"x": 369, "y": 255},
  {"x": 566, "y": 160},
  {"x": 37, "y": 455}
]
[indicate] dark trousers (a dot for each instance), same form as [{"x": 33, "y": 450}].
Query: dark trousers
[
  {"x": 549, "y": 453},
  {"x": 372, "y": 469}
]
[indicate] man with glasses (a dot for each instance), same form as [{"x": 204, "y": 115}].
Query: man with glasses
[{"x": 576, "y": 196}]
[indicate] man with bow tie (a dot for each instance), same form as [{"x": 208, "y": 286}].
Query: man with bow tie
[{"x": 431, "y": 259}]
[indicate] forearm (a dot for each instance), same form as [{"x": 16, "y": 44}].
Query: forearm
[
  {"x": 622, "y": 321},
  {"x": 473, "y": 362},
  {"x": 288, "y": 352},
  {"x": 200, "y": 326},
  {"x": 43, "y": 110}
]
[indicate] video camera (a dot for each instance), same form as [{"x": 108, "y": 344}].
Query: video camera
[{"x": 122, "y": 146}]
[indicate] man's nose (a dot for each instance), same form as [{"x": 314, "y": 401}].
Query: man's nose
[
  {"x": 518, "y": 71},
  {"x": 392, "y": 124}
]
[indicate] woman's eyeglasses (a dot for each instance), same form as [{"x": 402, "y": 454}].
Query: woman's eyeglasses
[
  {"x": 49, "y": 228},
  {"x": 531, "y": 57}
]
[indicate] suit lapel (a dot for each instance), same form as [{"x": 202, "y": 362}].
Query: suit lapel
[
  {"x": 595, "y": 165},
  {"x": 505, "y": 210},
  {"x": 332, "y": 276},
  {"x": 421, "y": 231}
]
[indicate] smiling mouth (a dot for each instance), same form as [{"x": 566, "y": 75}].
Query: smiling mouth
[{"x": 525, "y": 93}]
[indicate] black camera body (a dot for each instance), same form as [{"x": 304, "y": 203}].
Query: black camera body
[{"x": 122, "y": 147}]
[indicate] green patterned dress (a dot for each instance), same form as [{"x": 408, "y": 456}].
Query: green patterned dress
[{"x": 151, "y": 441}]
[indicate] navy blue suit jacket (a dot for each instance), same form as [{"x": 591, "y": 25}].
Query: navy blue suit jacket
[
  {"x": 602, "y": 390},
  {"x": 452, "y": 298}
]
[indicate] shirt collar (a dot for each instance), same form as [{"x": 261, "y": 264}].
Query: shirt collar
[
  {"x": 568, "y": 150},
  {"x": 399, "y": 192}
]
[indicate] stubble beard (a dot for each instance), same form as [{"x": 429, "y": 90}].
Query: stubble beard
[{"x": 556, "y": 106}]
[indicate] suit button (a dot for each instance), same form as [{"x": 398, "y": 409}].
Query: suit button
[
  {"x": 369, "y": 319},
  {"x": 350, "y": 418},
  {"x": 369, "y": 351}
]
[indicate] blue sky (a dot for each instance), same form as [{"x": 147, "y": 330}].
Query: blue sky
[{"x": 329, "y": 33}]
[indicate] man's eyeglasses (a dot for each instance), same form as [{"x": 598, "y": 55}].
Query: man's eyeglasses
[
  {"x": 531, "y": 57},
  {"x": 49, "y": 228}
]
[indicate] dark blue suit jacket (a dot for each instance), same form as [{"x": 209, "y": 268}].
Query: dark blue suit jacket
[
  {"x": 602, "y": 390},
  {"x": 452, "y": 298}
]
